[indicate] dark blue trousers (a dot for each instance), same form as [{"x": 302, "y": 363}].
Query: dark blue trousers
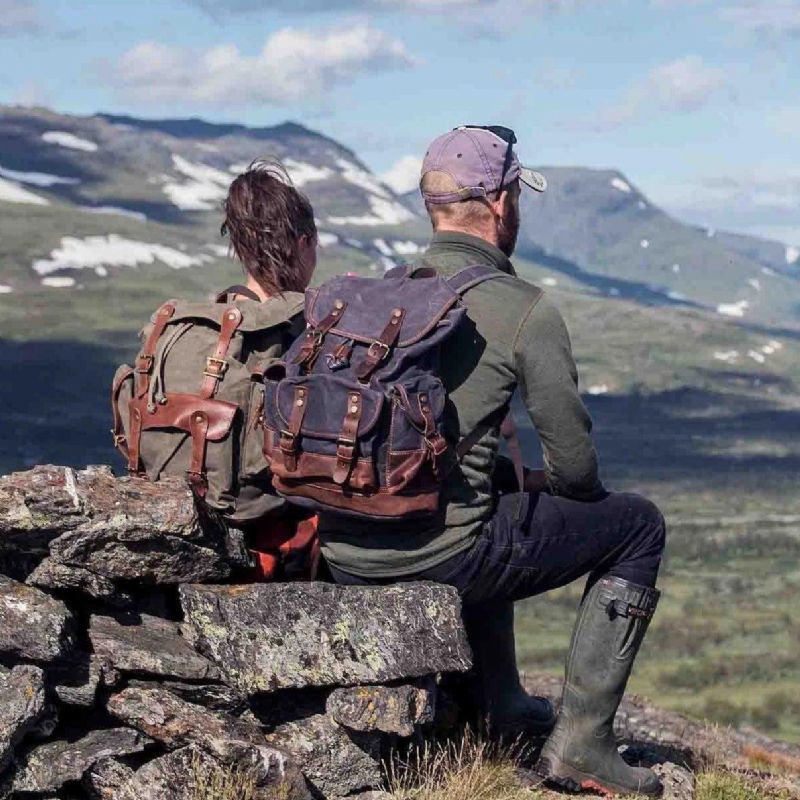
[{"x": 536, "y": 542}]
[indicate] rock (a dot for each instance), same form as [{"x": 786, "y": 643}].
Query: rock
[
  {"x": 175, "y": 723},
  {"x": 76, "y": 681},
  {"x": 49, "y": 766},
  {"x": 335, "y": 762},
  {"x": 372, "y": 796},
  {"x": 105, "y": 779},
  {"x": 273, "y": 636},
  {"x": 192, "y": 774},
  {"x": 215, "y": 696},
  {"x": 117, "y": 529},
  {"x": 145, "y": 644},
  {"x": 22, "y": 707},
  {"x": 33, "y": 625},
  {"x": 678, "y": 781},
  {"x": 51, "y": 574},
  {"x": 391, "y": 709}
]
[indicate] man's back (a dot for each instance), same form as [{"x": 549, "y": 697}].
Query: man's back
[{"x": 513, "y": 336}]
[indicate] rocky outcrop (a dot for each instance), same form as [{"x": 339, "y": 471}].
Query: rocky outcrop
[
  {"x": 33, "y": 625},
  {"x": 22, "y": 707},
  {"x": 266, "y": 637}
]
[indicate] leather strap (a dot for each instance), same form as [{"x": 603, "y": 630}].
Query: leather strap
[
  {"x": 143, "y": 365},
  {"x": 135, "y": 429},
  {"x": 466, "y": 278},
  {"x": 231, "y": 291},
  {"x": 196, "y": 474},
  {"x": 216, "y": 364},
  {"x": 346, "y": 444},
  {"x": 289, "y": 437},
  {"x": 382, "y": 346},
  {"x": 434, "y": 441},
  {"x": 314, "y": 337},
  {"x": 118, "y": 431}
]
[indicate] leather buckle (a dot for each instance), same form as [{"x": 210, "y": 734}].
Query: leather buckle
[
  {"x": 373, "y": 354},
  {"x": 215, "y": 367},
  {"x": 148, "y": 359}
]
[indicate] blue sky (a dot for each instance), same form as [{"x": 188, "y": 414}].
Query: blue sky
[{"x": 696, "y": 101}]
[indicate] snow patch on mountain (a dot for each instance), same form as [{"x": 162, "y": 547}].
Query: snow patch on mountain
[
  {"x": 111, "y": 251},
  {"x": 69, "y": 140},
  {"x": 352, "y": 173},
  {"x": 755, "y": 283},
  {"x": 42, "y": 179},
  {"x": 408, "y": 248},
  {"x": 14, "y": 193},
  {"x": 548, "y": 281},
  {"x": 384, "y": 212},
  {"x": 58, "y": 282},
  {"x": 327, "y": 239},
  {"x": 733, "y": 309},
  {"x": 598, "y": 388},
  {"x": 644, "y": 244},
  {"x": 382, "y": 247},
  {"x": 302, "y": 173},
  {"x": 621, "y": 185},
  {"x": 5, "y": 289},
  {"x": 206, "y": 186},
  {"x": 792, "y": 254},
  {"x": 115, "y": 211},
  {"x": 759, "y": 358},
  {"x": 728, "y": 356}
]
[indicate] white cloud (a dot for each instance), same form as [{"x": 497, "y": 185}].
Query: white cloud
[
  {"x": 294, "y": 64},
  {"x": 765, "y": 17},
  {"x": 683, "y": 85},
  {"x": 403, "y": 175},
  {"x": 19, "y": 15},
  {"x": 215, "y": 7}
]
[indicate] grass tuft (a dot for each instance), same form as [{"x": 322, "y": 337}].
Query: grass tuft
[{"x": 728, "y": 786}]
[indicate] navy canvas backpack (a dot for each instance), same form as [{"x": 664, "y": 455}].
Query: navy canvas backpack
[{"x": 353, "y": 415}]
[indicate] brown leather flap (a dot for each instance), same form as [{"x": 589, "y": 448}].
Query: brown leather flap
[{"x": 177, "y": 413}]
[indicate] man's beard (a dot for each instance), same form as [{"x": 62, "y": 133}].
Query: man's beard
[{"x": 508, "y": 230}]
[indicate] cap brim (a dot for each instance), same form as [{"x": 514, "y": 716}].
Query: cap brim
[{"x": 530, "y": 177}]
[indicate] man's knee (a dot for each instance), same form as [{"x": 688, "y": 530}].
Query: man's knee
[{"x": 647, "y": 521}]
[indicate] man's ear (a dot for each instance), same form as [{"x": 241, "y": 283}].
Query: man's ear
[{"x": 500, "y": 205}]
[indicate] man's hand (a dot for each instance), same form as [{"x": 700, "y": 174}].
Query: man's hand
[{"x": 535, "y": 480}]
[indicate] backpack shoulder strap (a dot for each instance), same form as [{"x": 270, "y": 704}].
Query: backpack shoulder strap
[
  {"x": 468, "y": 277},
  {"x": 224, "y": 296}
]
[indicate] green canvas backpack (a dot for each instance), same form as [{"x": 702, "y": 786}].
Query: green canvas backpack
[{"x": 192, "y": 403}]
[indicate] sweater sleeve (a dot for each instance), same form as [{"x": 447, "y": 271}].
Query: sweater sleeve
[{"x": 548, "y": 381}]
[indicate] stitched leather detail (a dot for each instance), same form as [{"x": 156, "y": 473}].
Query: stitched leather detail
[
  {"x": 216, "y": 363},
  {"x": 348, "y": 439},
  {"x": 143, "y": 366}
]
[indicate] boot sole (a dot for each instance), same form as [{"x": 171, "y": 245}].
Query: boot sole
[{"x": 575, "y": 781}]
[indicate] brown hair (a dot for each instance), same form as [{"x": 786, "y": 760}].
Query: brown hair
[
  {"x": 265, "y": 216},
  {"x": 464, "y": 214}
]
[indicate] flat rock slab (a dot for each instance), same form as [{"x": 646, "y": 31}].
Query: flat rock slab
[
  {"x": 149, "y": 645},
  {"x": 335, "y": 762},
  {"x": 390, "y": 709},
  {"x": 22, "y": 707},
  {"x": 101, "y": 528},
  {"x": 175, "y": 723},
  {"x": 192, "y": 774},
  {"x": 266, "y": 637},
  {"x": 49, "y": 766},
  {"x": 52, "y": 574},
  {"x": 33, "y": 625}
]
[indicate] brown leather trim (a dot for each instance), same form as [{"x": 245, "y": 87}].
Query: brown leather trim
[
  {"x": 317, "y": 466},
  {"x": 144, "y": 361},
  {"x": 348, "y": 438},
  {"x": 118, "y": 431},
  {"x": 196, "y": 474},
  {"x": 216, "y": 364},
  {"x": 177, "y": 413},
  {"x": 403, "y": 467},
  {"x": 314, "y": 336},
  {"x": 378, "y": 504},
  {"x": 135, "y": 433},
  {"x": 288, "y": 438},
  {"x": 382, "y": 346}
]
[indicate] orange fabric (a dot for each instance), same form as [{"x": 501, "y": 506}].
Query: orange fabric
[{"x": 277, "y": 539}]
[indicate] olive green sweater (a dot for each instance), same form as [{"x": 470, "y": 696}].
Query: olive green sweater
[{"x": 514, "y": 338}]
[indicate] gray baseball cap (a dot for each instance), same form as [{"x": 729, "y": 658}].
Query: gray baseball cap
[{"x": 480, "y": 159}]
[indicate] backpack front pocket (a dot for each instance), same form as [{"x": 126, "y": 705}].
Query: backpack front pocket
[{"x": 321, "y": 428}]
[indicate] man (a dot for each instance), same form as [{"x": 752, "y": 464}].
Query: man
[{"x": 563, "y": 525}]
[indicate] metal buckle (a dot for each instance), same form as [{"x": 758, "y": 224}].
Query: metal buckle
[
  {"x": 215, "y": 367},
  {"x": 385, "y": 347},
  {"x": 147, "y": 358},
  {"x": 119, "y": 438}
]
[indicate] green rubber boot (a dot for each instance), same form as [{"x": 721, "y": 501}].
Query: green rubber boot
[
  {"x": 581, "y": 753},
  {"x": 508, "y": 709}
]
